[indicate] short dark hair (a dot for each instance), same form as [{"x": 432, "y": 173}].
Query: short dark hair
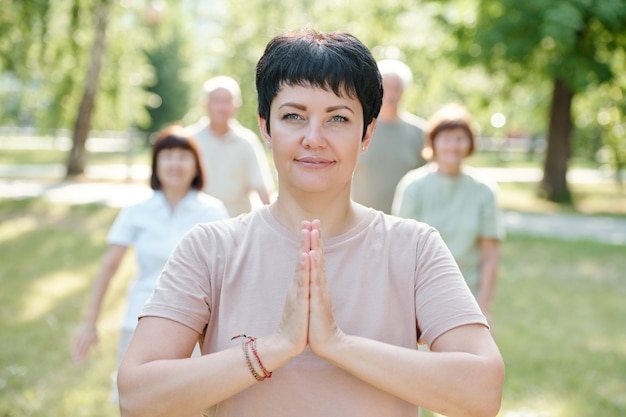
[
  {"x": 334, "y": 61},
  {"x": 171, "y": 137}
]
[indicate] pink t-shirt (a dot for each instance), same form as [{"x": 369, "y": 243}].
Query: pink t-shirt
[{"x": 388, "y": 276}]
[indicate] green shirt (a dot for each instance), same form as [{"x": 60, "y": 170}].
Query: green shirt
[{"x": 462, "y": 208}]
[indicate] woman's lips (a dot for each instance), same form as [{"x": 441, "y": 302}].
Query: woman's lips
[{"x": 314, "y": 162}]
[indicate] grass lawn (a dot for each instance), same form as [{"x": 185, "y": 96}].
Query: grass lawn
[
  {"x": 598, "y": 199},
  {"x": 559, "y": 318}
]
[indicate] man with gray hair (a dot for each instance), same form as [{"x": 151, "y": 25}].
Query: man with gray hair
[
  {"x": 396, "y": 146},
  {"x": 233, "y": 158}
]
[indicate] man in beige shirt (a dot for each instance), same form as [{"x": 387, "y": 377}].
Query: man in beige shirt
[{"x": 234, "y": 161}]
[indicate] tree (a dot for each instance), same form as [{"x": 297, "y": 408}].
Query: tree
[
  {"x": 170, "y": 57},
  {"x": 569, "y": 42},
  {"x": 46, "y": 68},
  {"x": 77, "y": 157}
]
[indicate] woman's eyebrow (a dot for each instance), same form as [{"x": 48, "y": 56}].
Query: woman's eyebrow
[
  {"x": 328, "y": 109},
  {"x": 296, "y": 105},
  {"x": 340, "y": 107}
]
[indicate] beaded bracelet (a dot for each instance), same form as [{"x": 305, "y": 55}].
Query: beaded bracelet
[
  {"x": 246, "y": 347},
  {"x": 258, "y": 359}
]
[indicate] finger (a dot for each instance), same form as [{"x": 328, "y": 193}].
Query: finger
[
  {"x": 316, "y": 245},
  {"x": 306, "y": 236},
  {"x": 306, "y": 225}
]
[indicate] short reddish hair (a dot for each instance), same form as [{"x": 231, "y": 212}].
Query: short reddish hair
[
  {"x": 451, "y": 116},
  {"x": 171, "y": 137}
]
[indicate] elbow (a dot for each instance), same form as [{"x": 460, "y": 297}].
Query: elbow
[
  {"x": 126, "y": 410},
  {"x": 487, "y": 395},
  {"x": 491, "y": 406},
  {"x": 492, "y": 392},
  {"x": 129, "y": 406},
  {"x": 488, "y": 404}
]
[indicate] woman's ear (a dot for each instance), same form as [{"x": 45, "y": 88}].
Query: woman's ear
[
  {"x": 264, "y": 132},
  {"x": 367, "y": 137}
]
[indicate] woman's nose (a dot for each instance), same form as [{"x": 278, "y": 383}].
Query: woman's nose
[{"x": 314, "y": 135}]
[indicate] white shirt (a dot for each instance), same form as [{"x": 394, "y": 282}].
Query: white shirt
[{"x": 154, "y": 230}]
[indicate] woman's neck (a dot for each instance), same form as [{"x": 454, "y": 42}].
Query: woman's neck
[
  {"x": 335, "y": 215},
  {"x": 449, "y": 170},
  {"x": 174, "y": 195}
]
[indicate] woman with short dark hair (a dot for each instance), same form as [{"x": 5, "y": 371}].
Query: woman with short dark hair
[{"x": 314, "y": 304}]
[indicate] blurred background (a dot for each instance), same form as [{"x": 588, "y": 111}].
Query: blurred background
[
  {"x": 85, "y": 84},
  {"x": 533, "y": 74}
]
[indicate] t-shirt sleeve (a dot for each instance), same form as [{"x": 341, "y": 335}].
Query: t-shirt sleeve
[
  {"x": 443, "y": 300},
  {"x": 182, "y": 292},
  {"x": 123, "y": 230}
]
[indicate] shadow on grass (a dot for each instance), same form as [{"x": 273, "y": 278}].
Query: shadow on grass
[{"x": 48, "y": 256}]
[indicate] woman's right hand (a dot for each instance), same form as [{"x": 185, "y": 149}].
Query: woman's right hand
[
  {"x": 86, "y": 337},
  {"x": 294, "y": 325}
]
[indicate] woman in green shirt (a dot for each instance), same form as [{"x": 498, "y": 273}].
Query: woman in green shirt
[{"x": 456, "y": 200}]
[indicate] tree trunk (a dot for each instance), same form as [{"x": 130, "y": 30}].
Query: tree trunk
[
  {"x": 78, "y": 155},
  {"x": 553, "y": 186}
]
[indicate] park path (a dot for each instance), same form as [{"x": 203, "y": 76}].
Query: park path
[{"x": 120, "y": 185}]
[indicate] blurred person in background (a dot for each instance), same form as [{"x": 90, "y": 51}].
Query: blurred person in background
[
  {"x": 396, "y": 147},
  {"x": 235, "y": 161},
  {"x": 461, "y": 204},
  {"x": 153, "y": 228}
]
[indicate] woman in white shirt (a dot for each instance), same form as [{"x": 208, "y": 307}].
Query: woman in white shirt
[{"x": 153, "y": 228}]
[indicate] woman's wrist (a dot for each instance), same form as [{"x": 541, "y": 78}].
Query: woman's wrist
[{"x": 334, "y": 347}]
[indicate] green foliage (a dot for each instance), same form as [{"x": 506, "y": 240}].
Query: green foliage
[
  {"x": 23, "y": 25},
  {"x": 170, "y": 56},
  {"x": 46, "y": 68},
  {"x": 571, "y": 40}
]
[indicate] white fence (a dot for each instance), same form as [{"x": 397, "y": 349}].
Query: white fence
[{"x": 529, "y": 145}]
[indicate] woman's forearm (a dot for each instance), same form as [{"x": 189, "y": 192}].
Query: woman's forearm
[
  {"x": 451, "y": 383},
  {"x": 185, "y": 386}
]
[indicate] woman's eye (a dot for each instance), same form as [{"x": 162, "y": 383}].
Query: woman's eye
[
  {"x": 339, "y": 119},
  {"x": 291, "y": 116}
]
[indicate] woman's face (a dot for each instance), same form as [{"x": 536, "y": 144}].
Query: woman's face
[
  {"x": 451, "y": 146},
  {"x": 315, "y": 138},
  {"x": 176, "y": 168}
]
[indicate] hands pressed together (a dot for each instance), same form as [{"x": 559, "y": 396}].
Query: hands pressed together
[{"x": 308, "y": 318}]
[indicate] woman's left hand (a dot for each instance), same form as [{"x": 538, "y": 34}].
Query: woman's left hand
[{"x": 323, "y": 330}]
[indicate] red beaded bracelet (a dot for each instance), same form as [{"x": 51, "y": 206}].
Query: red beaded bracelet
[
  {"x": 251, "y": 344},
  {"x": 258, "y": 359},
  {"x": 255, "y": 374}
]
